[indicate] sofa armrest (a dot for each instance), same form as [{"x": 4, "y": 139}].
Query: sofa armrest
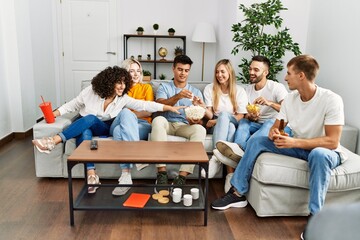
[
  {"x": 43, "y": 129},
  {"x": 51, "y": 165},
  {"x": 349, "y": 137}
]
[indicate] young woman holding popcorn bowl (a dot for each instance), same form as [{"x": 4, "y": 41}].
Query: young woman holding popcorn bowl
[{"x": 227, "y": 102}]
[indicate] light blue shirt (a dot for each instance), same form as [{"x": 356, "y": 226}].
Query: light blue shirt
[{"x": 167, "y": 90}]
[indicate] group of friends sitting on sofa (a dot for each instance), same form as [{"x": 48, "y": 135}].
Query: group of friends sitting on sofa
[{"x": 117, "y": 103}]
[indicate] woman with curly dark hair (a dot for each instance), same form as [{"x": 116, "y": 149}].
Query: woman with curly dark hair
[{"x": 98, "y": 105}]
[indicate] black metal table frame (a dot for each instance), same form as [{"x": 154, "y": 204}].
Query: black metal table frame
[{"x": 70, "y": 164}]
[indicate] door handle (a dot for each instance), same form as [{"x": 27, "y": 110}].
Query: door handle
[{"x": 113, "y": 53}]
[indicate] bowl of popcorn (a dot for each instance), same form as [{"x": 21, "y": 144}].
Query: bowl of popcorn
[
  {"x": 195, "y": 112},
  {"x": 253, "y": 109}
]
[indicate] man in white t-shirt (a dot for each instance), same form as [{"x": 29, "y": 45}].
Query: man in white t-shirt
[
  {"x": 316, "y": 116},
  {"x": 266, "y": 94}
]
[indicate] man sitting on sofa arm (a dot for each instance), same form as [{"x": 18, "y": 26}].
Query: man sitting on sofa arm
[{"x": 316, "y": 136}]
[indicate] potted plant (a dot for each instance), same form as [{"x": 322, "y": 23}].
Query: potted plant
[
  {"x": 171, "y": 31},
  {"x": 149, "y": 57},
  {"x": 139, "y": 57},
  {"x": 250, "y": 35},
  {"x": 155, "y": 27},
  {"x": 178, "y": 51},
  {"x": 146, "y": 75},
  {"x": 162, "y": 76},
  {"x": 140, "y": 30}
]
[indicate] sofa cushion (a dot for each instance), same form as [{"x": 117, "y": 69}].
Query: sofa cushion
[{"x": 282, "y": 170}]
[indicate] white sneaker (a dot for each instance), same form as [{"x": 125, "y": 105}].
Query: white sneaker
[
  {"x": 230, "y": 150},
  {"x": 227, "y": 185},
  {"x": 214, "y": 167},
  {"x": 44, "y": 145},
  {"x": 225, "y": 160},
  {"x": 93, "y": 179},
  {"x": 125, "y": 178}
]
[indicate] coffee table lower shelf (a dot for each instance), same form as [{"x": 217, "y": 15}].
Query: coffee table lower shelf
[{"x": 104, "y": 200}]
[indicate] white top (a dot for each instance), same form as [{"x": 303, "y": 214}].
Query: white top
[
  {"x": 272, "y": 91},
  {"x": 308, "y": 119},
  {"x": 225, "y": 104},
  {"x": 88, "y": 102}
]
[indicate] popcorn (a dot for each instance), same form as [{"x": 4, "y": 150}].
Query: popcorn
[{"x": 195, "y": 112}]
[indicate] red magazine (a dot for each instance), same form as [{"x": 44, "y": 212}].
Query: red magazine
[{"x": 137, "y": 200}]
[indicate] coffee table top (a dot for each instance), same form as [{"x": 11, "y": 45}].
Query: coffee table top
[{"x": 140, "y": 152}]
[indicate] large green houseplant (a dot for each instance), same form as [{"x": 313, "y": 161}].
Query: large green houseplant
[{"x": 250, "y": 35}]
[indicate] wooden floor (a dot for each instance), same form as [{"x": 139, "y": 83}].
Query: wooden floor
[{"x": 37, "y": 208}]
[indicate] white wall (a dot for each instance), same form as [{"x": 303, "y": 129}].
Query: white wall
[
  {"x": 333, "y": 40},
  {"x": 27, "y": 39},
  {"x": 42, "y": 45},
  {"x": 27, "y": 64},
  {"x": 179, "y": 15},
  {"x": 5, "y": 126}
]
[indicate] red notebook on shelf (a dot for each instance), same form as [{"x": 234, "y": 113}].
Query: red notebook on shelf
[{"x": 137, "y": 200}]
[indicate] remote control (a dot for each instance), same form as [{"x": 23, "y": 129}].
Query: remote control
[{"x": 93, "y": 145}]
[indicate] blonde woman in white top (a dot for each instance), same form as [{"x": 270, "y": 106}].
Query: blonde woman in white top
[{"x": 227, "y": 102}]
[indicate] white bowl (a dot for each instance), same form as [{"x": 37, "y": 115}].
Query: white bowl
[{"x": 195, "y": 112}]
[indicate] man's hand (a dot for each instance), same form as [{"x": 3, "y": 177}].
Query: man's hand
[
  {"x": 211, "y": 123},
  {"x": 262, "y": 101},
  {"x": 275, "y": 133},
  {"x": 253, "y": 116},
  {"x": 185, "y": 94},
  {"x": 281, "y": 141},
  {"x": 196, "y": 101},
  {"x": 193, "y": 121}
]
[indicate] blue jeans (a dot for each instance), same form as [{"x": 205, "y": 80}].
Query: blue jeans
[
  {"x": 247, "y": 129},
  {"x": 225, "y": 128},
  {"x": 84, "y": 128},
  {"x": 144, "y": 129},
  {"x": 125, "y": 128},
  {"x": 320, "y": 162}
]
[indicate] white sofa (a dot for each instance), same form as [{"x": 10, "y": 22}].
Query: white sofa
[
  {"x": 278, "y": 187},
  {"x": 54, "y": 164}
]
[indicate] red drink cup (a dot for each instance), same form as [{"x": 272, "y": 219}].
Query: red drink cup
[{"x": 47, "y": 111}]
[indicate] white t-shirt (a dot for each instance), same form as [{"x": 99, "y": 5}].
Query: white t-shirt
[
  {"x": 308, "y": 119},
  {"x": 225, "y": 104},
  {"x": 272, "y": 91}
]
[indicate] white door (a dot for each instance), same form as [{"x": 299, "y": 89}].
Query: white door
[{"x": 89, "y": 41}]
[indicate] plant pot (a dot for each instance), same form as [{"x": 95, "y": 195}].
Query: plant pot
[
  {"x": 146, "y": 78},
  {"x": 140, "y": 32},
  {"x": 171, "y": 33}
]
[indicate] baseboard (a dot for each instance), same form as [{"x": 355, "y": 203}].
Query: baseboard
[{"x": 15, "y": 135}]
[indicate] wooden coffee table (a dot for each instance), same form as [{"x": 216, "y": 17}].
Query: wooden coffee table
[{"x": 136, "y": 152}]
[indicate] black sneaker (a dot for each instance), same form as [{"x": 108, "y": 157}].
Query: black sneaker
[
  {"x": 230, "y": 199},
  {"x": 179, "y": 180},
  {"x": 161, "y": 179}
]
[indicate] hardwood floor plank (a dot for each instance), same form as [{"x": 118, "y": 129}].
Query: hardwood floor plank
[{"x": 37, "y": 208}]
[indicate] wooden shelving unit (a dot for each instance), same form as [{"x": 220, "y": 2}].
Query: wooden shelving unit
[{"x": 155, "y": 60}]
